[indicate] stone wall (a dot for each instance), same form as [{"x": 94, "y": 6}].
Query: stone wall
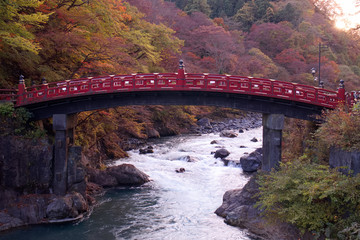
[
  {"x": 350, "y": 161},
  {"x": 26, "y": 177},
  {"x": 25, "y": 165}
]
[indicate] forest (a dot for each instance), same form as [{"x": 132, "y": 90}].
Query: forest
[{"x": 66, "y": 39}]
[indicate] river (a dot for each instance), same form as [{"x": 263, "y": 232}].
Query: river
[{"x": 177, "y": 206}]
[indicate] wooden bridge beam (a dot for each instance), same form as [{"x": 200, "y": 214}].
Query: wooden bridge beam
[
  {"x": 63, "y": 126},
  {"x": 272, "y": 136}
]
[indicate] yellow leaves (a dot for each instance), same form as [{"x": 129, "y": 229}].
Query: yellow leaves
[
  {"x": 21, "y": 43},
  {"x": 34, "y": 19},
  {"x": 17, "y": 21}
]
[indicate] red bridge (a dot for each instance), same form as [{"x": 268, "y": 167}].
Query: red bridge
[
  {"x": 275, "y": 99},
  {"x": 267, "y": 91}
]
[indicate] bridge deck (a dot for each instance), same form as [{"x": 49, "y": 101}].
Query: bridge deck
[{"x": 174, "y": 82}]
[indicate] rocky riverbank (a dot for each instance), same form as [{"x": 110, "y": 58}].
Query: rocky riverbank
[
  {"x": 26, "y": 183},
  {"x": 206, "y": 125},
  {"x": 26, "y": 177},
  {"x": 239, "y": 210}
]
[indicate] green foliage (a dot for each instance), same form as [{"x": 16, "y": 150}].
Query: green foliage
[
  {"x": 311, "y": 196},
  {"x": 17, "y": 122},
  {"x": 197, "y": 6},
  {"x": 255, "y": 11},
  {"x": 15, "y": 18},
  {"x": 289, "y": 13}
]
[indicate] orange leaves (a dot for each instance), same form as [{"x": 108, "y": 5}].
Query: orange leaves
[
  {"x": 341, "y": 129},
  {"x": 220, "y": 22},
  {"x": 44, "y": 8}
]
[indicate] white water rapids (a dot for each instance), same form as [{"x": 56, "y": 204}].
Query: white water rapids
[{"x": 173, "y": 206}]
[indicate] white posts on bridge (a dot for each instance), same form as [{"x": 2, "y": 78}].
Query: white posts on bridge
[
  {"x": 63, "y": 126},
  {"x": 272, "y": 137}
]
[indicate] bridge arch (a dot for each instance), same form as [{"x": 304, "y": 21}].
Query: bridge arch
[{"x": 253, "y": 103}]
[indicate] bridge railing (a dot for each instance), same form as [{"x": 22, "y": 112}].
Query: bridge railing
[
  {"x": 8, "y": 95},
  {"x": 177, "y": 82}
]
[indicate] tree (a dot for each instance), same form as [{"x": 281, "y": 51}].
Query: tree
[
  {"x": 255, "y": 11},
  {"x": 197, "y": 6},
  {"x": 270, "y": 38},
  {"x": 292, "y": 60},
  {"x": 18, "y": 21},
  {"x": 289, "y": 13}
]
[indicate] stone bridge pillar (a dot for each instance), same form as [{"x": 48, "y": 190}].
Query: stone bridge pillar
[
  {"x": 272, "y": 134},
  {"x": 63, "y": 126}
]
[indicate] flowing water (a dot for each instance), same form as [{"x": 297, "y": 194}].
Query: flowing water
[{"x": 178, "y": 206}]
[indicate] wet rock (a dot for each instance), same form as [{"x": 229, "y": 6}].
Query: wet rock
[
  {"x": 152, "y": 133},
  {"x": 252, "y": 162},
  {"x": 241, "y": 131},
  {"x": 221, "y": 153},
  {"x": 239, "y": 210},
  {"x": 228, "y": 133},
  {"x": 180, "y": 170},
  {"x": 101, "y": 178},
  {"x": 190, "y": 159},
  {"x": 7, "y": 221},
  {"x": 69, "y": 206},
  {"x": 204, "y": 122},
  {"x": 242, "y": 146},
  {"x": 122, "y": 175},
  {"x": 225, "y": 161},
  {"x": 149, "y": 149},
  {"x": 254, "y": 139},
  {"x": 128, "y": 174},
  {"x": 214, "y": 142},
  {"x": 59, "y": 208}
]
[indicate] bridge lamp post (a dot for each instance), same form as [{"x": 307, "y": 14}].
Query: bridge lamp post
[{"x": 321, "y": 84}]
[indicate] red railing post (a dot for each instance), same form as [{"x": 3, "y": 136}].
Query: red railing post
[
  {"x": 341, "y": 93},
  {"x": 21, "y": 91},
  {"x": 181, "y": 74},
  {"x": 44, "y": 87}
]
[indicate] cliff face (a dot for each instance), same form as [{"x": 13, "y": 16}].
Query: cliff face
[
  {"x": 26, "y": 183},
  {"x": 25, "y": 167},
  {"x": 26, "y": 180}
]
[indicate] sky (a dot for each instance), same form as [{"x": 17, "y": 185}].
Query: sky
[{"x": 350, "y": 19}]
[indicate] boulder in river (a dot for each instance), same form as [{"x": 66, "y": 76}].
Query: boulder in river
[
  {"x": 180, "y": 170},
  {"x": 149, "y": 149},
  {"x": 252, "y": 162},
  {"x": 67, "y": 207},
  {"x": 191, "y": 159},
  {"x": 221, "y": 153},
  {"x": 121, "y": 175},
  {"x": 239, "y": 210},
  {"x": 228, "y": 133},
  {"x": 254, "y": 139}
]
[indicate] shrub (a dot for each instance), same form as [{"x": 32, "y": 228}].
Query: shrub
[
  {"x": 312, "y": 197},
  {"x": 341, "y": 129},
  {"x": 16, "y": 121}
]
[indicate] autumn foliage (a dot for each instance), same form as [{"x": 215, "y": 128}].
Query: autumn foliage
[{"x": 64, "y": 39}]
